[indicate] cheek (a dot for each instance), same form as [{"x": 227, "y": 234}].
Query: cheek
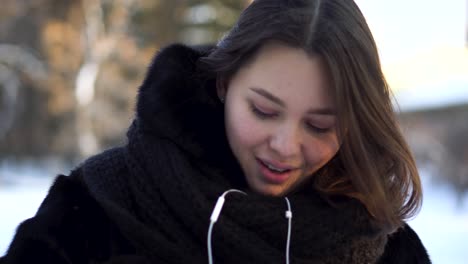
[
  {"x": 319, "y": 152},
  {"x": 243, "y": 129}
]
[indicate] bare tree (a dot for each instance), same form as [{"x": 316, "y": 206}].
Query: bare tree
[
  {"x": 15, "y": 61},
  {"x": 101, "y": 39},
  {"x": 96, "y": 53}
]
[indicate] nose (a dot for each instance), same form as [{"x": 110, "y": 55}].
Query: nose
[{"x": 286, "y": 142}]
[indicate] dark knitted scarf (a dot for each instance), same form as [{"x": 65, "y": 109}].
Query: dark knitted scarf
[{"x": 160, "y": 189}]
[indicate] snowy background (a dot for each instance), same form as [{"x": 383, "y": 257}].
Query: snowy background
[{"x": 423, "y": 46}]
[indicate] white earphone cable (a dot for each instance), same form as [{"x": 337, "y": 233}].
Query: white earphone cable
[
  {"x": 210, "y": 253},
  {"x": 217, "y": 211},
  {"x": 289, "y": 217},
  {"x": 214, "y": 217}
]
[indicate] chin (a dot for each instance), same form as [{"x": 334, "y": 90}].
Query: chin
[{"x": 276, "y": 191}]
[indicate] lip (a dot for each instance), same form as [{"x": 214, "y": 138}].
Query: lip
[{"x": 273, "y": 177}]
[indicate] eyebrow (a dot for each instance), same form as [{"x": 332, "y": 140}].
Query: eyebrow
[
  {"x": 271, "y": 97},
  {"x": 268, "y": 96}
]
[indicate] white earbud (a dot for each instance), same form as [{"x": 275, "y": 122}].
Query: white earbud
[{"x": 219, "y": 205}]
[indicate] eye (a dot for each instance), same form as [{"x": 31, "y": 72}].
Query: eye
[
  {"x": 262, "y": 114},
  {"x": 316, "y": 129}
]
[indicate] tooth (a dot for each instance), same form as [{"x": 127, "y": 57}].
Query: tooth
[{"x": 274, "y": 168}]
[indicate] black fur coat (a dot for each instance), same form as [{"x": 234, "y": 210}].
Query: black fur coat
[{"x": 150, "y": 200}]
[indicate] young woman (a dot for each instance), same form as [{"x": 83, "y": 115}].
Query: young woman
[{"x": 288, "y": 119}]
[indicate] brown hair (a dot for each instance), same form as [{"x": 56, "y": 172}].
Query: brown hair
[{"x": 374, "y": 163}]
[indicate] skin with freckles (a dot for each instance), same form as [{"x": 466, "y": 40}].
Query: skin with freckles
[{"x": 280, "y": 119}]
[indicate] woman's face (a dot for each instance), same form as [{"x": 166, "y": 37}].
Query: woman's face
[{"x": 280, "y": 119}]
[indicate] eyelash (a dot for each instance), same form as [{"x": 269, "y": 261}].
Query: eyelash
[
  {"x": 262, "y": 115},
  {"x": 317, "y": 129}
]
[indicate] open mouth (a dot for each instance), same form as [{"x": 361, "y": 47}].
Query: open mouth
[{"x": 273, "y": 168}]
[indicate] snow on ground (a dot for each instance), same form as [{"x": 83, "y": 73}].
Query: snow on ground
[
  {"x": 441, "y": 224},
  {"x": 17, "y": 203},
  {"x": 20, "y": 198}
]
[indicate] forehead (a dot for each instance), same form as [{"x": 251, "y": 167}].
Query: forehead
[{"x": 289, "y": 73}]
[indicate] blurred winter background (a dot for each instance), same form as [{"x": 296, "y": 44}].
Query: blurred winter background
[{"x": 69, "y": 72}]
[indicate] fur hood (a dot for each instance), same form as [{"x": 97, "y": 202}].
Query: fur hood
[{"x": 178, "y": 101}]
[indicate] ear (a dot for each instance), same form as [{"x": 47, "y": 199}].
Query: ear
[{"x": 221, "y": 88}]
